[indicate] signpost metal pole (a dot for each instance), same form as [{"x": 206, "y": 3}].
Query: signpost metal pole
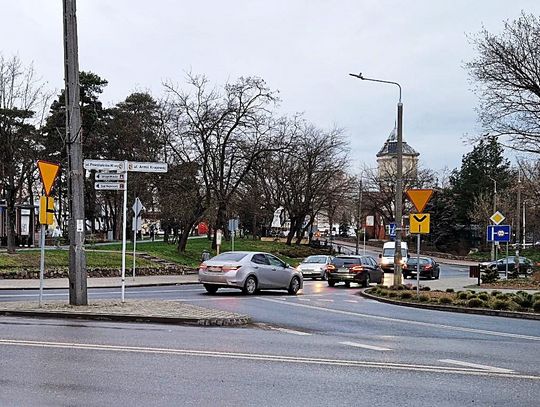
[
  {"x": 124, "y": 232},
  {"x": 42, "y": 264},
  {"x": 233, "y": 233},
  {"x": 506, "y": 269},
  {"x": 134, "y": 243},
  {"x": 364, "y": 241},
  {"x": 418, "y": 265}
]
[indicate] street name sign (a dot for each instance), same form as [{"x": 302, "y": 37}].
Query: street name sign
[
  {"x": 233, "y": 225},
  {"x": 110, "y": 176},
  {"x": 146, "y": 167},
  {"x": 110, "y": 186},
  {"x": 419, "y": 223},
  {"x": 497, "y": 217},
  {"x": 419, "y": 197},
  {"x": 103, "y": 165},
  {"x": 498, "y": 233}
]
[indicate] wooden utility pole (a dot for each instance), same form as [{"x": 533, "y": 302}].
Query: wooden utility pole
[{"x": 77, "y": 258}]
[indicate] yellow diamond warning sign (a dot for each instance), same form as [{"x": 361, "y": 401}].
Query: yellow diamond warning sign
[
  {"x": 48, "y": 172},
  {"x": 419, "y": 223},
  {"x": 419, "y": 197},
  {"x": 497, "y": 217}
]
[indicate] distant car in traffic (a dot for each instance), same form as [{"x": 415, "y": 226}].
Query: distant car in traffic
[
  {"x": 429, "y": 268},
  {"x": 250, "y": 272},
  {"x": 315, "y": 266},
  {"x": 354, "y": 269},
  {"x": 525, "y": 265}
]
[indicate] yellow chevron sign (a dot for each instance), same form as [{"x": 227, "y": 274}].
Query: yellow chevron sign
[{"x": 419, "y": 223}]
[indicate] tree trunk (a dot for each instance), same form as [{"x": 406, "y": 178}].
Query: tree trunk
[{"x": 10, "y": 218}]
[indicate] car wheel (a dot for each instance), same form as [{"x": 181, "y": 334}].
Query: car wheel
[
  {"x": 294, "y": 286},
  {"x": 250, "y": 286},
  {"x": 366, "y": 282},
  {"x": 347, "y": 284},
  {"x": 212, "y": 289},
  {"x": 438, "y": 274},
  {"x": 331, "y": 283}
]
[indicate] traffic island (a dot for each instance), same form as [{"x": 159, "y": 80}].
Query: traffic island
[
  {"x": 516, "y": 305},
  {"x": 162, "y": 312}
]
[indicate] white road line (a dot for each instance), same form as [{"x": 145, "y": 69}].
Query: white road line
[
  {"x": 325, "y": 300},
  {"x": 477, "y": 366},
  {"x": 407, "y": 321},
  {"x": 286, "y": 330},
  {"x": 361, "y": 345},
  {"x": 303, "y": 299},
  {"x": 266, "y": 358},
  {"x": 352, "y": 301}
]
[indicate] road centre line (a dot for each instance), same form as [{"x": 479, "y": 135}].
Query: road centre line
[
  {"x": 265, "y": 358},
  {"x": 477, "y": 366},
  {"x": 407, "y": 321},
  {"x": 361, "y": 345}
]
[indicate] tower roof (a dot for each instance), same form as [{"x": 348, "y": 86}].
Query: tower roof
[{"x": 390, "y": 146}]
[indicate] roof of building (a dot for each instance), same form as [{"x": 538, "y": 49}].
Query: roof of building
[{"x": 390, "y": 146}]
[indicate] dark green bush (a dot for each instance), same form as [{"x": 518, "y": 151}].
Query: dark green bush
[
  {"x": 445, "y": 300},
  {"x": 483, "y": 296},
  {"x": 406, "y": 295},
  {"x": 471, "y": 291},
  {"x": 383, "y": 293},
  {"x": 449, "y": 290},
  {"x": 536, "y": 306},
  {"x": 463, "y": 295},
  {"x": 475, "y": 303},
  {"x": 423, "y": 298},
  {"x": 425, "y": 288},
  {"x": 490, "y": 276},
  {"x": 523, "y": 299},
  {"x": 392, "y": 294},
  {"x": 500, "y": 304},
  {"x": 495, "y": 293}
]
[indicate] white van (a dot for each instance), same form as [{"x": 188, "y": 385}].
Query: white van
[{"x": 387, "y": 256}]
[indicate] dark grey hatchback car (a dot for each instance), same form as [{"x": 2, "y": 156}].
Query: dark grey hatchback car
[{"x": 354, "y": 269}]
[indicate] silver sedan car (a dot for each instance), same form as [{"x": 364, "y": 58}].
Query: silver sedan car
[
  {"x": 249, "y": 271},
  {"x": 315, "y": 266}
]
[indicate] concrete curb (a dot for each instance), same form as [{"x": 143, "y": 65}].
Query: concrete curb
[
  {"x": 104, "y": 286},
  {"x": 131, "y": 318},
  {"x": 449, "y": 308}
]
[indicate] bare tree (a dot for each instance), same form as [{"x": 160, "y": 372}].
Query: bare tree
[
  {"x": 224, "y": 131},
  {"x": 21, "y": 95},
  {"x": 507, "y": 72}
]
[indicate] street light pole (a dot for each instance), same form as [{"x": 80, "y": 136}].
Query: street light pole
[
  {"x": 494, "y": 210},
  {"x": 399, "y": 176},
  {"x": 359, "y": 215}
]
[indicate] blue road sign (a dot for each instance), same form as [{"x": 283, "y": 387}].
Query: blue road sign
[
  {"x": 498, "y": 233},
  {"x": 392, "y": 229}
]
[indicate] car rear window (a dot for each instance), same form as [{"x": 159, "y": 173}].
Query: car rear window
[
  {"x": 345, "y": 261},
  {"x": 423, "y": 262},
  {"x": 315, "y": 259},
  {"x": 229, "y": 256}
]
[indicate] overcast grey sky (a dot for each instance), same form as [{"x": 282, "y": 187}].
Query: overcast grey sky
[{"x": 303, "y": 48}]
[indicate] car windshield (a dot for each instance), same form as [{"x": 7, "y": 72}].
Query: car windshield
[
  {"x": 389, "y": 252},
  {"x": 345, "y": 261},
  {"x": 315, "y": 259},
  {"x": 229, "y": 256}
]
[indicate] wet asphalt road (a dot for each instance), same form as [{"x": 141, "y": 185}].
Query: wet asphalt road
[{"x": 326, "y": 346}]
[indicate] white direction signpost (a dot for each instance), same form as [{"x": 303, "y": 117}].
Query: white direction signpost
[
  {"x": 122, "y": 167},
  {"x": 109, "y": 176}
]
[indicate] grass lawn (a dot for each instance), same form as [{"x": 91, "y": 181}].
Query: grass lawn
[
  {"x": 192, "y": 257},
  {"x": 59, "y": 258}
]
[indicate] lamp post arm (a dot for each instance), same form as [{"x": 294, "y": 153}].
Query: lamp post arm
[{"x": 359, "y": 76}]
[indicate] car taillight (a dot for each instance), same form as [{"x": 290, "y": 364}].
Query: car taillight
[
  {"x": 428, "y": 267},
  {"x": 356, "y": 269},
  {"x": 230, "y": 268},
  {"x": 330, "y": 267},
  {"x": 203, "y": 266}
]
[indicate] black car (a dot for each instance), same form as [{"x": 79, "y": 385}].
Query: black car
[
  {"x": 357, "y": 269},
  {"x": 429, "y": 268},
  {"x": 525, "y": 265}
]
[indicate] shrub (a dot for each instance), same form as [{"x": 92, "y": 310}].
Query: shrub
[
  {"x": 392, "y": 294},
  {"x": 445, "y": 300},
  {"x": 536, "y": 306},
  {"x": 483, "y": 296},
  {"x": 449, "y": 290},
  {"x": 523, "y": 299},
  {"x": 475, "y": 303},
  {"x": 425, "y": 288},
  {"x": 406, "y": 295},
  {"x": 500, "y": 304},
  {"x": 423, "y": 298},
  {"x": 463, "y": 295},
  {"x": 490, "y": 276},
  {"x": 383, "y": 293},
  {"x": 471, "y": 291},
  {"x": 495, "y": 293}
]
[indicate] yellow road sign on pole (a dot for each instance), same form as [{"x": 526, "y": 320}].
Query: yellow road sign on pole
[
  {"x": 419, "y": 223},
  {"x": 46, "y": 210},
  {"x": 48, "y": 172},
  {"x": 419, "y": 197}
]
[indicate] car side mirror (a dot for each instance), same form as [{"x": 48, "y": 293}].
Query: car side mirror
[
  {"x": 287, "y": 265},
  {"x": 408, "y": 256},
  {"x": 380, "y": 256}
]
